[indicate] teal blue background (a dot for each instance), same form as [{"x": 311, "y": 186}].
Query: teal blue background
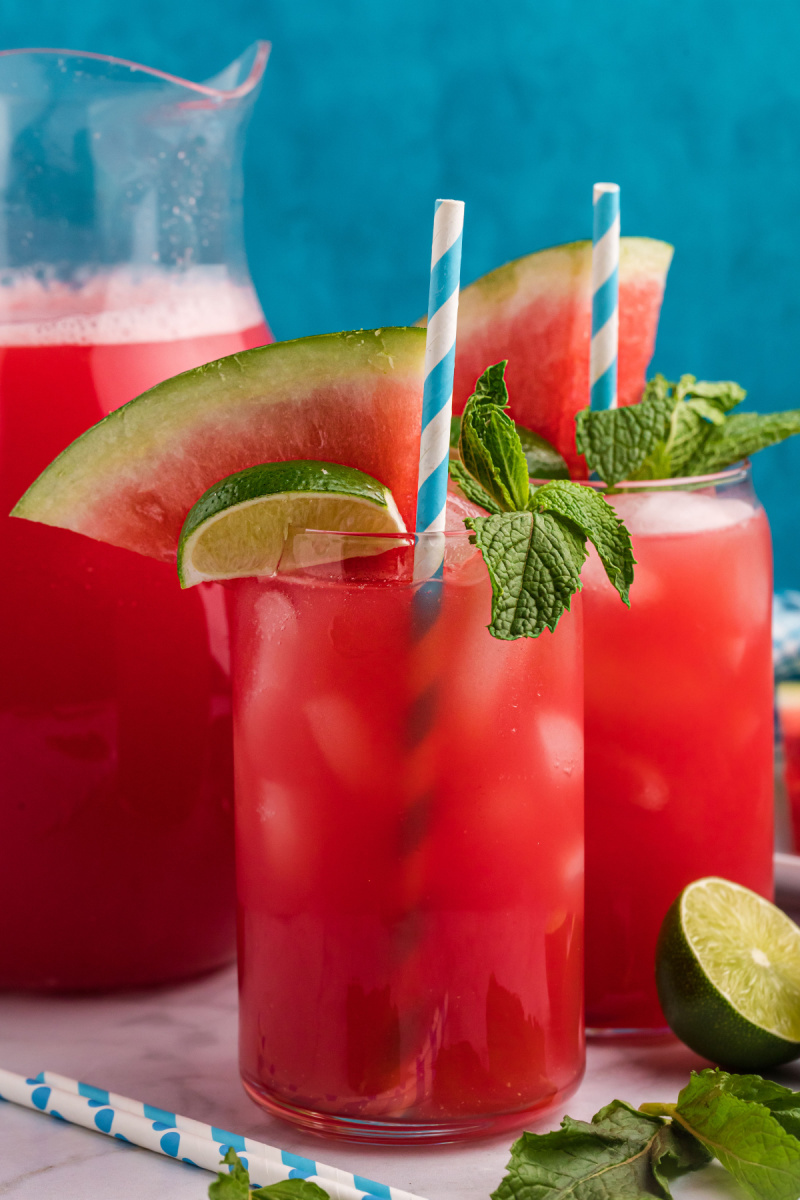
[{"x": 372, "y": 108}]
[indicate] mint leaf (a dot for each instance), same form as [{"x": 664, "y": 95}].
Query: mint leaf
[
  {"x": 657, "y": 464},
  {"x": 471, "y": 488},
  {"x": 489, "y": 446},
  {"x": 534, "y": 561},
  {"x": 723, "y": 394},
  {"x": 595, "y": 518},
  {"x": 616, "y": 442},
  {"x": 621, "y": 1154},
  {"x": 692, "y": 422},
  {"x": 742, "y": 1133},
  {"x": 742, "y": 435},
  {"x": 706, "y": 410},
  {"x": 236, "y": 1185},
  {"x": 544, "y": 461},
  {"x": 290, "y": 1189},
  {"x": 783, "y": 1103}
]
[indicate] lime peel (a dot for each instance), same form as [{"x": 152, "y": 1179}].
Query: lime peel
[
  {"x": 757, "y": 971},
  {"x": 247, "y": 523},
  {"x": 728, "y": 975}
]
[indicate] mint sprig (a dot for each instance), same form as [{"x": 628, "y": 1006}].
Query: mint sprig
[
  {"x": 621, "y": 1153},
  {"x": 677, "y": 429},
  {"x": 616, "y": 442},
  {"x": 534, "y": 540},
  {"x": 752, "y": 1126},
  {"x": 235, "y": 1185}
]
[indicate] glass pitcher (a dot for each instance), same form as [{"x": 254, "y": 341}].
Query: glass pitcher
[{"x": 121, "y": 263}]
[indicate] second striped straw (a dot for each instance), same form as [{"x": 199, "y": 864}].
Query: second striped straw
[
  {"x": 437, "y": 396},
  {"x": 605, "y": 297}
]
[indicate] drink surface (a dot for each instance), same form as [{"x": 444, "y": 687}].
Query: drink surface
[
  {"x": 115, "y": 819},
  {"x": 409, "y": 856},
  {"x": 679, "y": 735}
]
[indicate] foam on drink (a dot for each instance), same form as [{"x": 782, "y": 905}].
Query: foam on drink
[
  {"x": 124, "y": 306},
  {"x": 658, "y": 514}
]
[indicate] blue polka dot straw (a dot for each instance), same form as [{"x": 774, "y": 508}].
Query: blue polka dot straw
[
  {"x": 437, "y": 396},
  {"x": 180, "y": 1137},
  {"x": 605, "y": 297}
]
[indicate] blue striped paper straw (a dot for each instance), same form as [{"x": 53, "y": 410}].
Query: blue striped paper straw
[
  {"x": 180, "y": 1137},
  {"x": 605, "y": 297},
  {"x": 437, "y": 396}
]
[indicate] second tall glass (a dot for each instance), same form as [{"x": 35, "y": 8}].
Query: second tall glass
[{"x": 679, "y": 727}]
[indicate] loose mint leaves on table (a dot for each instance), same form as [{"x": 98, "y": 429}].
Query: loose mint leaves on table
[
  {"x": 534, "y": 540},
  {"x": 750, "y": 1125},
  {"x": 677, "y": 429},
  {"x": 236, "y": 1185}
]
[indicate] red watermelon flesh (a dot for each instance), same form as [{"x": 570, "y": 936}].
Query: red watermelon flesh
[
  {"x": 536, "y": 312},
  {"x": 351, "y": 398}
]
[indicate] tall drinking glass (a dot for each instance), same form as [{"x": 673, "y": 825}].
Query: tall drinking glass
[
  {"x": 679, "y": 727},
  {"x": 121, "y": 263},
  {"x": 409, "y": 848}
]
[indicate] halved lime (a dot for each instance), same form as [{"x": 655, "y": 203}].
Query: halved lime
[
  {"x": 728, "y": 976},
  {"x": 245, "y": 524}
]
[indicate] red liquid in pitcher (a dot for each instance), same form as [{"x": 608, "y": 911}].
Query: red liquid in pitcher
[{"x": 116, "y": 851}]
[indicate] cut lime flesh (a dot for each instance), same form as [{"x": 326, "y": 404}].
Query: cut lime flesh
[
  {"x": 247, "y": 523},
  {"x": 728, "y": 975},
  {"x": 750, "y": 951}
]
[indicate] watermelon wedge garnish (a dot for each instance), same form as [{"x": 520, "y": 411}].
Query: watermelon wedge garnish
[
  {"x": 350, "y": 398},
  {"x": 536, "y": 312}
]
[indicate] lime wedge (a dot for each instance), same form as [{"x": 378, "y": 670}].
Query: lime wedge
[
  {"x": 728, "y": 976},
  {"x": 246, "y": 523}
]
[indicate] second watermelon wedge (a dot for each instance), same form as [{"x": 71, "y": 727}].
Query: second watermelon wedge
[{"x": 536, "y": 312}]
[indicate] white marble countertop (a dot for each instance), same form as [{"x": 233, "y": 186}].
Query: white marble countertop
[{"x": 176, "y": 1049}]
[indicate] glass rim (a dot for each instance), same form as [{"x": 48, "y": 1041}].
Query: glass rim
[
  {"x": 735, "y": 474},
  {"x": 407, "y": 536},
  {"x": 262, "y": 52},
  {"x": 410, "y": 537}
]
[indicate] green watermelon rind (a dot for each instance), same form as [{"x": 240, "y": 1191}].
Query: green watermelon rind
[
  {"x": 554, "y": 268},
  {"x": 559, "y": 265},
  {"x": 152, "y": 427}
]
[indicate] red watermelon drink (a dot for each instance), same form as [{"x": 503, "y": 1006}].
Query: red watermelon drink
[
  {"x": 679, "y": 731},
  {"x": 409, "y": 968},
  {"x": 114, "y": 693}
]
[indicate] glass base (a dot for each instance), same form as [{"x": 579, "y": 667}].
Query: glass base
[
  {"x": 408, "y": 1133},
  {"x": 654, "y": 1033}
]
